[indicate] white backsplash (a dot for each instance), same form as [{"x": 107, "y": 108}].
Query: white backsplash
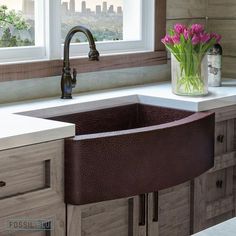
[{"x": 13, "y": 91}]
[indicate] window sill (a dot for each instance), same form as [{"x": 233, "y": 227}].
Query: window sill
[{"x": 47, "y": 68}]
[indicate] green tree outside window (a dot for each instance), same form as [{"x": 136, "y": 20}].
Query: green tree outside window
[{"x": 10, "y": 21}]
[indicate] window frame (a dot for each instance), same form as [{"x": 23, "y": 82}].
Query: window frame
[{"x": 52, "y": 67}]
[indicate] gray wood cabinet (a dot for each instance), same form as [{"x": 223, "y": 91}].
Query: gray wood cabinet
[
  {"x": 166, "y": 213},
  {"x": 31, "y": 190},
  {"x": 214, "y": 191}
]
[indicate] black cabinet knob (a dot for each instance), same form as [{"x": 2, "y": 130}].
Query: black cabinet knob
[
  {"x": 220, "y": 138},
  {"x": 219, "y": 183},
  {"x": 2, "y": 184}
]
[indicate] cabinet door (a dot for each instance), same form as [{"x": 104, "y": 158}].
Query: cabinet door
[
  {"x": 110, "y": 218},
  {"x": 169, "y": 211},
  {"x": 43, "y": 221},
  {"x": 214, "y": 190}
]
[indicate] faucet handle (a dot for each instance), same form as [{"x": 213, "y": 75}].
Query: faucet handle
[
  {"x": 74, "y": 77},
  {"x": 93, "y": 54}
]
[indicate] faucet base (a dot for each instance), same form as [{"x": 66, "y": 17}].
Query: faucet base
[{"x": 66, "y": 97}]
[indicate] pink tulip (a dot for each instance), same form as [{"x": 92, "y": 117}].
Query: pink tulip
[
  {"x": 167, "y": 40},
  {"x": 205, "y": 37},
  {"x": 186, "y": 34},
  {"x": 197, "y": 28},
  {"x": 196, "y": 40},
  {"x": 176, "y": 39},
  {"x": 179, "y": 28},
  {"x": 216, "y": 36}
]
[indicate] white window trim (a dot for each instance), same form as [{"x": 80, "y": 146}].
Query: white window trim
[{"x": 48, "y": 36}]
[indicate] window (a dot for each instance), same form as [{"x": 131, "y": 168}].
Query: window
[
  {"x": 36, "y": 29},
  {"x": 21, "y": 28},
  {"x": 103, "y": 18},
  {"x": 118, "y": 25}
]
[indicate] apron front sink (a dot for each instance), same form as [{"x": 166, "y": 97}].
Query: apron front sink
[{"x": 133, "y": 149}]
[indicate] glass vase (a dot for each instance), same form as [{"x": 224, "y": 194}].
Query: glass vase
[{"x": 189, "y": 75}]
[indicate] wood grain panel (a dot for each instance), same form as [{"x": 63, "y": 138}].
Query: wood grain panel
[
  {"x": 219, "y": 8},
  {"x": 224, "y": 161},
  {"x": 229, "y": 69},
  {"x": 219, "y": 192},
  {"x": 225, "y": 113},
  {"x": 174, "y": 211},
  {"x": 199, "y": 203},
  {"x": 227, "y": 28},
  {"x": 220, "y": 207},
  {"x": 160, "y": 25},
  {"x": 186, "y": 8},
  {"x": 207, "y": 214},
  {"x": 52, "y": 68},
  {"x": 14, "y": 160},
  {"x": 220, "y": 145},
  {"x": 54, "y": 213},
  {"x": 214, "y": 196},
  {"x": 22, "y": 180},
  {"x": 116, "y": 218},
  {"x": 171, "y": 23}
]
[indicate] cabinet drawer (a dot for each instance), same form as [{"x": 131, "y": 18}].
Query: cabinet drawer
[
  {"x": 23, "y": 179},
  {"x": 224, "y": 137},
  {"x": 219, "y": 196},
  {"x": 219, "y": 184},
  {"x": 31, "y": 176},
  {"x": 220, "y": 138}
]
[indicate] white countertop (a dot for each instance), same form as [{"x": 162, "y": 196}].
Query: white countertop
[{"x": 18, "y": 130}]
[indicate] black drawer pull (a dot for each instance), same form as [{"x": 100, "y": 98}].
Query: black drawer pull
[
  {"x": 220, "y": 138},
  {"x": 2, "y": 184},
  {"x": 219, "y": 183},
  {"x": 142, "y": 209}
]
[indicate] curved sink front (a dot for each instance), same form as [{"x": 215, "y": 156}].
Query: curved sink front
[{"x": 129, "y": 150}]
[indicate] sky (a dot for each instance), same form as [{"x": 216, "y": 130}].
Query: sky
[{"x": 17, "y": 4}]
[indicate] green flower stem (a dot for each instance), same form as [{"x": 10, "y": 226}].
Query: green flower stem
[{"x": 189, "y": 80}]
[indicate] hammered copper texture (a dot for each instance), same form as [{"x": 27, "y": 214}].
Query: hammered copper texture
[{"x": 125, "y": 151}]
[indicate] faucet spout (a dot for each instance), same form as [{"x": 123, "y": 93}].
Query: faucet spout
[{"x": 67, "y": 80}]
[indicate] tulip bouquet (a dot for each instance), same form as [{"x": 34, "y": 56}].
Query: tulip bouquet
[{"x": 188, "y": 46}]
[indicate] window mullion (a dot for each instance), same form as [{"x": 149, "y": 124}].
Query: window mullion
[
  {"x": 39, "y": 23},
  {"x": 148, "y": 23},
  {"x": 53, "y": 29}
]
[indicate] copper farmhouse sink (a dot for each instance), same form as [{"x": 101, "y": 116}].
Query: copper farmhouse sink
[{"x": 133, "y": 149}]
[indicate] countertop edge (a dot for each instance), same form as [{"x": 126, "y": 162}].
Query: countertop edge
[{"x": 158, "y": 94}]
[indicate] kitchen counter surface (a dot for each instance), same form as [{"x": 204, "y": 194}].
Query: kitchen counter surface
[{"x": 19, "y": 128}]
